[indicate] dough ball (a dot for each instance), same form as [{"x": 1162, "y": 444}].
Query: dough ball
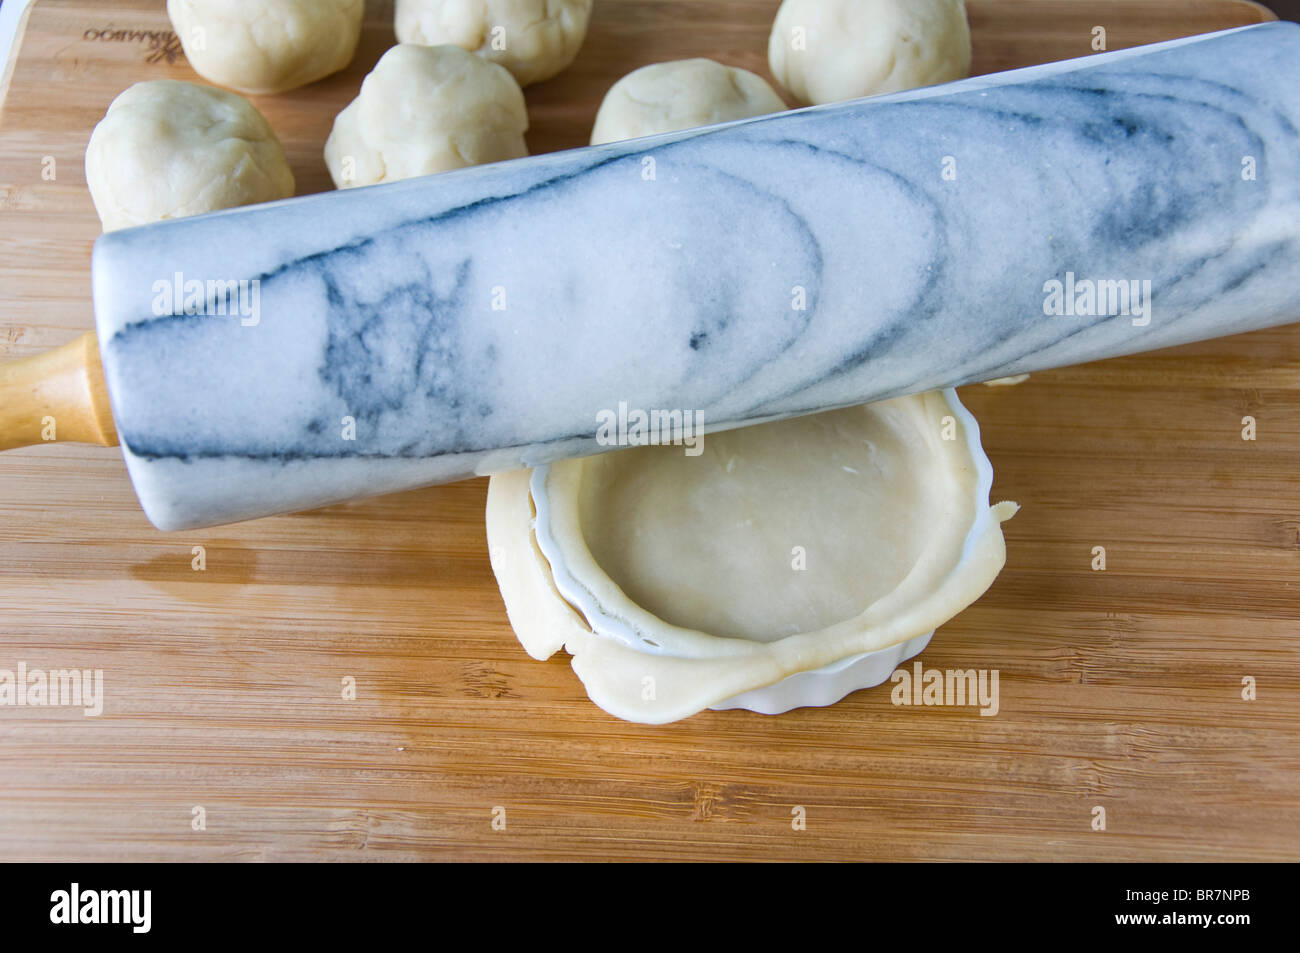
[
  {"x": 682, "y": 94},
  {"x": 534, "y": 39},
  {"x": 266, "y": 46},
  {"x": 825, "y": 51},
  {"x": 167, "y": 149},
  {"x": 426, "y": 109}
]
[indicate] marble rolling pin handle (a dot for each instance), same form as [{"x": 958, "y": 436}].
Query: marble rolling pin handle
[{"x": 57, "y": 395}]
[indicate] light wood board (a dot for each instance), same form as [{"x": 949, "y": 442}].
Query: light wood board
[{"x": 1119, "y": 689}]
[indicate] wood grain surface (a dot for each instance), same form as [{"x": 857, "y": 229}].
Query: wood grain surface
[{"x": 1120, "y": 689}]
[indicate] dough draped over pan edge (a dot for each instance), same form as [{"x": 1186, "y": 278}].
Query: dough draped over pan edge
[{"x": 694, "y": 670}]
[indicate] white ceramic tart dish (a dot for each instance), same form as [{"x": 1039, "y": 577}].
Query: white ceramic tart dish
[{"x": 768, "y": 568}]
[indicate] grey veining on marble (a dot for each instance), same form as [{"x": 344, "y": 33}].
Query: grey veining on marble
[{"x": 479, "y": 320}]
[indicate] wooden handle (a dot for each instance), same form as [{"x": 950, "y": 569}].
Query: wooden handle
[{"x": 58, "y": 395}]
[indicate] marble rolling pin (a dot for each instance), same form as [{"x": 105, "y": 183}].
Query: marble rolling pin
[{"x": 294, "y": 354}]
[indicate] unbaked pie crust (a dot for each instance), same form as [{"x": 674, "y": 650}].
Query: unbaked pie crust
[{"x": 677, "y": 582}]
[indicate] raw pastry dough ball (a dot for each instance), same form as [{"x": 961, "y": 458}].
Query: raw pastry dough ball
[
  {"x": 267, "y": 46},
  {"x": 534, "y": 39},
  {"x": 426, "y": 109},
  {"x": 825, "y": 51},
  {"x": 683, "y": 94},
  {"x": 167, "y": 149}
]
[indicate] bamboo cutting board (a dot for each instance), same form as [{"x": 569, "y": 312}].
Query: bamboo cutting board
[{"x": 1120, "y": 689}]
